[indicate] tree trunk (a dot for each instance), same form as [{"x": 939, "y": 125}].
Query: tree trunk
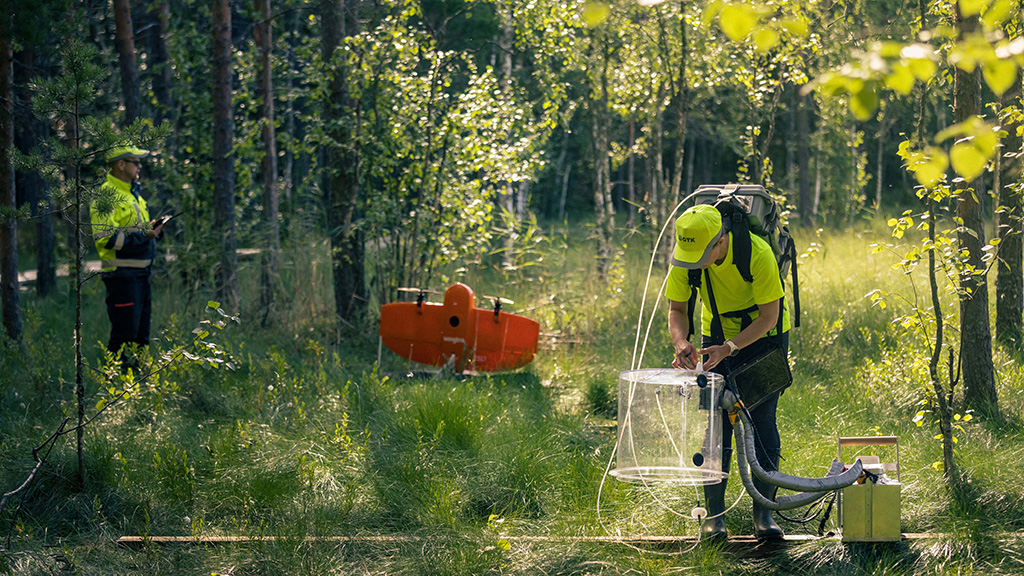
[
  {"x": 604, "y": 223},
  {"x": 631, "y": 175},
  {"x": 93, "y": 8},
  {"x": 681, "y": 96},
  {"x": 159, "y": 63},
  {"x": 879, "y": 159},
  {"x": 689, "y": 165},
  {"x": 975, "y": 336},
  {"x": 10, "y": 289},
  {"x": 803, "y": 159},
  {"x": 1010, "y": 264},
  {"x": 126, "y": 58},
  {"x": 657, "y": 196},
  {"x": 565, "y": 189},
  {"x": 289, "y": 115},
  {"x": 341, "y": 185},
  {"x": 34, "y": 188},
  {"x": 268, "y": 277},
  {"x": 223, "y": 159}
]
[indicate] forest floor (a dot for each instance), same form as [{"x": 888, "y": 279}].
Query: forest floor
[{"x": 291, "y": 450}]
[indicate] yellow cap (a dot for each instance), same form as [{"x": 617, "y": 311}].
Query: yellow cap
[
  {"x": 122, "y": 152},
  {"x": 697, "y": 230}
]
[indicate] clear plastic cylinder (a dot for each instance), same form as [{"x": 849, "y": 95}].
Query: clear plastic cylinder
[{"x": 670, "y": 427}]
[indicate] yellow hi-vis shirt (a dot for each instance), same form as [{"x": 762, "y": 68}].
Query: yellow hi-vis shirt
[
  {"x": 732, "y": 292},
  {"x": 120, "y": 236}
]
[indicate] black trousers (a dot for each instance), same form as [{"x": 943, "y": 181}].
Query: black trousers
[
  {"x": 767, "y": 444},
  {"x": 129, "y": 306}
]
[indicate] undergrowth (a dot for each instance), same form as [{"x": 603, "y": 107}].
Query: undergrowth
[{"x": 310, "y": 435}]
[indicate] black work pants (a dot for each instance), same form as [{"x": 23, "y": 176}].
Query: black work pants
[
  {"x": 767, "y": 444},
  {"x": 128, "y": 307}
]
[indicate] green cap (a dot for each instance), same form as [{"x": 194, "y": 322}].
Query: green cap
[
  {"x": 697, "y": 230},
  {"x": 122, "y": 152}
]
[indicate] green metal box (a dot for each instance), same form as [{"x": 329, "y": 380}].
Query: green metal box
[{"x": 870, "y": 512}]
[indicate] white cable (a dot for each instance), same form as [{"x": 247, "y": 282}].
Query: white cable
[
  {"x": 650, "y": 268},
  {"x": 635, "y": 363}
]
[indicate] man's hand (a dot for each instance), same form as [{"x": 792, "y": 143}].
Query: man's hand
[
  {"x": 156, "y": 230},
  {"x": 715, "y": 355},
  {"x": 686, "y": 357}
]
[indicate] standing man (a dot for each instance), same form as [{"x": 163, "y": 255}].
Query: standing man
[
  {"x": 126, "y": 241},
  {"x": 740, "y": 317}
]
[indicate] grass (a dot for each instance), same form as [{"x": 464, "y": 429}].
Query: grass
[{"x": 310, "y": 436}]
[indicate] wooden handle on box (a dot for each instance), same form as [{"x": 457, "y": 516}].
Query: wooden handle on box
[{"x": 868, "y": 440}]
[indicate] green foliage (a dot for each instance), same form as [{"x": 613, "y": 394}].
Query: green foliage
[{"x": 899, "y": 66}]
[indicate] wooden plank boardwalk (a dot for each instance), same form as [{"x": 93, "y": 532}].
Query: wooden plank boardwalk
[{"x": 740, "y": 542}]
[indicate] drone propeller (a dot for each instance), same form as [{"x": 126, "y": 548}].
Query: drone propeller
[
  {"x": 421, "y": 294},
  {"x": 419, "y": 290},
  {"x": 498, "y": 303}
]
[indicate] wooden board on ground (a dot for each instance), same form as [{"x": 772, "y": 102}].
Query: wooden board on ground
[{"x": 734, "y": 542}]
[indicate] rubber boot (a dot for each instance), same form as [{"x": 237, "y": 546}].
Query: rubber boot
[
  {"x": 765, "y": 528},
  {"x": 713, "y": 529}
]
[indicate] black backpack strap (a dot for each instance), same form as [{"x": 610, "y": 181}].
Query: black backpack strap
[
  {"x": 735, "y": 221},
  {"x": 796, "y": 294},
  {"x": 717, "y": 334},
  {"x": 694, "y": 277}
]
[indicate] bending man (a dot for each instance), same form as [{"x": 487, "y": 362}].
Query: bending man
[{"x": 747, "y": 312}]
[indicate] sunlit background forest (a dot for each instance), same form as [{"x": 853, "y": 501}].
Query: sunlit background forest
[{"x": 320, "y": 157}]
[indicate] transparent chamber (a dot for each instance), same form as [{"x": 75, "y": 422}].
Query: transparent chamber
[{"x": 670, "y": 427}]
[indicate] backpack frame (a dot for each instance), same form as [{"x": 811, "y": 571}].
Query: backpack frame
[{"x": 749, "y": 208}]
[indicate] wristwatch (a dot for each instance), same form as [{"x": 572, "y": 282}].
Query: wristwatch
[{"x": 733, "y": 348}]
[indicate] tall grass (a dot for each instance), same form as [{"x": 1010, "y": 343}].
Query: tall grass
[{"x": 310, "y": 436}]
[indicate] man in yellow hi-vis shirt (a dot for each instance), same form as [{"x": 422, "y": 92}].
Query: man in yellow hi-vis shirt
[{"x": 126, "y": 241}]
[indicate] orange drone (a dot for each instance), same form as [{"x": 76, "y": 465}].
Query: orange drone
[{"x": 479, "y": 339}]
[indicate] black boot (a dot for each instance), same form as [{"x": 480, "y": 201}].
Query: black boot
[
  {"x": 713, "y": 528},
  {"x": 765, "y": 528}
]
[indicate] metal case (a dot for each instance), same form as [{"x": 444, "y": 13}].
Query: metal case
[{"x": 870, "y": 512}]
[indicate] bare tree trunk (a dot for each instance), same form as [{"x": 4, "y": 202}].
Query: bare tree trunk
[
  {"x": 808, "y": 209},
  {"x": 341, "y": 186},
  {"x": 223, "y": 158},
  {"x": 565, "y": 189},
  {"x": 1009, "y": 279},
  {"x": 268, "y": 278},
  {"x": 817, "y": 187},
  {"x": 689, "y": 165},
  {"x": 975, "y": 336},
  {"x": 631, "y": 175},
  {"x": 126, "y": 58},
  {"x": 604, "y": 219},
  {"x": 34, "y": 188},
  {"x": 160, "y": 63},
  {"x": 658, "y": 191},
  {"x": 289, "y": 116},
  {"x": 505, "y": 39},
  {"x": 10, "y": 289}
]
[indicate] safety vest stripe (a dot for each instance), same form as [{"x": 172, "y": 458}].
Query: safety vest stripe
[
  {"x": 118, "y": 230},
  {"x": 119, "y": 242},
  {"x": 126, "y": 263}
]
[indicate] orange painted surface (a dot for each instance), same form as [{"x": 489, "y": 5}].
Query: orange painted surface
[{"x": 479, "y": 339}]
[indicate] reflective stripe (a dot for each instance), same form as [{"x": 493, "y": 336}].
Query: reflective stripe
[
  {"x": 126, "y": 263},
  {"x": 119, "y": 230},
  {"x": 119, "y": 242}
]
